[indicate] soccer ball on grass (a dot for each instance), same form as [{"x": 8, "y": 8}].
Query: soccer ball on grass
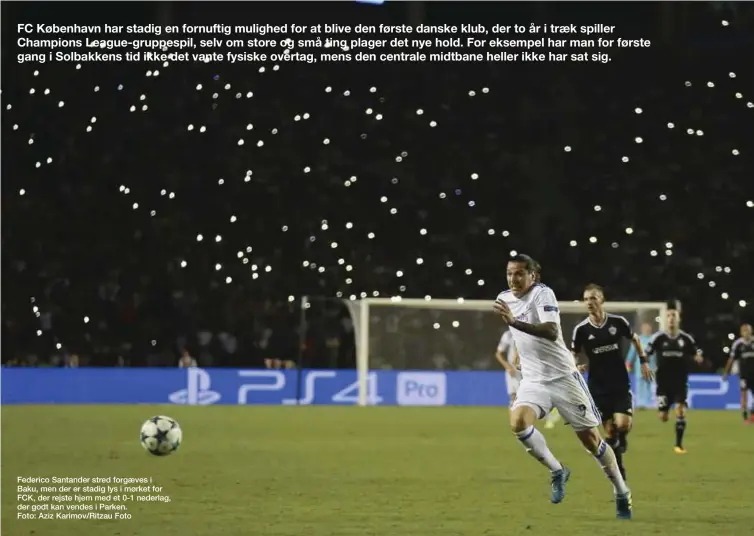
[{"x": 161, "y": 435}]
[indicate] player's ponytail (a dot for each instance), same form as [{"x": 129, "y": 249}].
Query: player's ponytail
[{"x": 537, "y": 271}]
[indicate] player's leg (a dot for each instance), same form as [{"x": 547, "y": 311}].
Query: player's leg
[
  {"x": 613, "y": 436},
  {"x": 621, "y": 427},
  {"x": 745, "y": 399},
  {"x": 577, "y": 407},
  {"x": 663, "y": 403},
  {"x": 529, "y": 407},
  {"x": 623, "y": 417},
  {"x": 623, "y": 422},
  {"x": 605, "y": 408},
  {"x": 532, "y": 403},
  {"x": 680, "y": 427},
  {"x": 611, "y": 433},
  {"x": 679, "y": 398},
  {"x": 606, "y": 459},
  {"x": 612, "y": 439}
]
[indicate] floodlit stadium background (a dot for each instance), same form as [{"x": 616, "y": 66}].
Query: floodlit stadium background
[{"x": 245, "y": 188}]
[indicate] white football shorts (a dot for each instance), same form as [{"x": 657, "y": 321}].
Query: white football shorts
[{"x": 568, "y": 394}]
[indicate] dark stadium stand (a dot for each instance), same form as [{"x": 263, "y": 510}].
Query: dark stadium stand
[{"x": 146, "y": 207}]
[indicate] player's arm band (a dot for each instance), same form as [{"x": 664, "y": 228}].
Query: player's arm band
[{"x": 643, "y": 359}]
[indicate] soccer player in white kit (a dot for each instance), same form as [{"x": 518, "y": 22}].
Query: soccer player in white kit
[{"x": 550, "y": 380}]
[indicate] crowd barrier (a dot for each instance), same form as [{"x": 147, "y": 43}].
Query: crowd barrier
[{"x": 196, "y": 386}]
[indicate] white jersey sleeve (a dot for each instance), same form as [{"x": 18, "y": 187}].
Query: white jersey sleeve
[{"x": 547, "y": 306}]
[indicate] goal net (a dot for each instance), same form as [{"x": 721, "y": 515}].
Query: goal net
[{"x": 418, "y": 334}]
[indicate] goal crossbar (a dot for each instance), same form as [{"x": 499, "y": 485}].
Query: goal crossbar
[{"x": 479, "y": 305}]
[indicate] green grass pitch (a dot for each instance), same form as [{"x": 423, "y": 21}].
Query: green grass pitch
[{"x": 329, "y": 471}]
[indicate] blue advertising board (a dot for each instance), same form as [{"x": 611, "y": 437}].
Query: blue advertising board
[{"x": 196, "y": 386}]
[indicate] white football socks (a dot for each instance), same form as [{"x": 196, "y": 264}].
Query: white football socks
[
  {"x": 606, "y": 458},
  {"x": 535, "y": 444}
]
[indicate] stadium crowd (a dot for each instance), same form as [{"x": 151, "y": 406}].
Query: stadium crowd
[{"x": 150, "y": 210}]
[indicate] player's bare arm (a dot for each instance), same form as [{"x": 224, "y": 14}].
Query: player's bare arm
[
  {"x": 731, "y": 359},
  {"x": 698, "y": 353},
  {"x": 546, "y": 330},
  {"x": 582, "y": 362},
  {"x": 579, "y": 357},
  {"x": 728, "y": 366},
  {"x": 646, "y": 372}
]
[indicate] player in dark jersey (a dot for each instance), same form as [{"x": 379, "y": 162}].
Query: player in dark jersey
[
  {"x": 598, "y": 337},
  {"x": 674, "y": 349},
  {"x": 742, "y": 352}
]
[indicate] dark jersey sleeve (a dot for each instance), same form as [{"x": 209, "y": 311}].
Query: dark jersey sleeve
[
  {"x": 577, "y": 341},
  {"x": 691, "y": 345},
  {"x": 624, "y": 328},
  {"x": 735, "y": 351},
  {"x": 654, "y": 343}
]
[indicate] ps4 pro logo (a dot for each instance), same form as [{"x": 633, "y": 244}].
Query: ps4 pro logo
[{"x": 198, "y": 388}]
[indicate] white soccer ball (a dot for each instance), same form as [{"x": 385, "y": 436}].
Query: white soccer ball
[{"x": 161, "y": 435}]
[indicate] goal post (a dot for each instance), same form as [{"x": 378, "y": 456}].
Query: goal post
[{"x": 448, "y": 334}]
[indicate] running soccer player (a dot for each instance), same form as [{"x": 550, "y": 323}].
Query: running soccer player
[
  {"x": 674, "y": 349},
  {"x": 644, "y": 389},
  {"x": 506, "y": 355},
  {"x": 743, "y": 352},
  {"x": 549, "y": 379},
  {"x": 598, "y": 337}
]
